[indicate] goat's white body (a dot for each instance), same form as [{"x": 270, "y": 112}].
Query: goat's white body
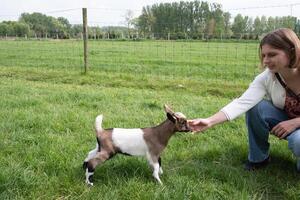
[{"x": 130, "y": 141}]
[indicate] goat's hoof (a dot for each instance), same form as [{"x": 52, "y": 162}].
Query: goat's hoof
[
  {"x": 161, "y": 171},
  {"x": 89, "y": 181},
  {"x": 90, "y": 184},
  {"x": 158, "y": 180}
]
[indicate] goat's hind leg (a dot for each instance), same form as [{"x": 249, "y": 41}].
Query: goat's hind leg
[
  {"x": 90, "y": 155},
  {"x": 99, "y": 158}
]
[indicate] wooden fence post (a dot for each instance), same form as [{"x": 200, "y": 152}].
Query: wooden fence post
[{"x": 85, "y": 38}]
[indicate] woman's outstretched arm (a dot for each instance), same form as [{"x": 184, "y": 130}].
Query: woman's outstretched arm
[{"x": 200, "y": 125}]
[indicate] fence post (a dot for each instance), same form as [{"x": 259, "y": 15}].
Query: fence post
[{"x": 85, "y": 38}]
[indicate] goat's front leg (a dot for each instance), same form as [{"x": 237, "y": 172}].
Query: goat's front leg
[
  {"x": 160, "y": 167},
  {"x": 156, "y": 172},
  {"x": 154, "y": 163}
]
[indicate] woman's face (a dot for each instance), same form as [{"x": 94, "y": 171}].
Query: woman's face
[{"x": 275, "y": 59}]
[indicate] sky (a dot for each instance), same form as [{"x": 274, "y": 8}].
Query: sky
[{"x": 112, "y": 12}]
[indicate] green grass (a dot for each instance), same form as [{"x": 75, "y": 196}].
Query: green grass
[{"x": 48, "y": 109}]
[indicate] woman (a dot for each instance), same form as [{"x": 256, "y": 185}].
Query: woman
[{"x": 272, "y": 101}]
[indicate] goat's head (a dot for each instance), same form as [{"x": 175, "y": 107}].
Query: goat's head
[{"x": 178, "y": 119}]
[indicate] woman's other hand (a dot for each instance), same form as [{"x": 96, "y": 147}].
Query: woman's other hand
[{"x": 283, "y": 129}]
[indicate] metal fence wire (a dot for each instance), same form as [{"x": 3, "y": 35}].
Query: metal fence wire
[{"x": 157, "y": 57}]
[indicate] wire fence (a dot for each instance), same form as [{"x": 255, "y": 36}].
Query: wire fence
[
  {"x": 224, "y": 59},
  {"x": 154, "y": 57}
]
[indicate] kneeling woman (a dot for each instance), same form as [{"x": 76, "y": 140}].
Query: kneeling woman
[{"x": 272, "y": 101}]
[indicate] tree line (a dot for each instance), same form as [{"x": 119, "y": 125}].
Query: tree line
[
  {"x": 39, "y": 25},
  {"x": 199, "y": 19},
  {"x": 178, "y": 20}
]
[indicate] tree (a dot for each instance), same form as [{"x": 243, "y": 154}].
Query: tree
[
  {"x": 271, "y": 24},
  {"x": 289, "y": 22},
  {"x": 76, "y": 30},
  {"x": 264, "y": 23},
  {"x": 227, "y": 25},
  {"x": 5, "y": 29},
  {"x": 36, "y": 21},
  {"x": 184, "y": 18},
  {"x": 257, "y": 27},
  {"x": 13, "y": 28},
  {"x": 44, "y": 25},
  {"x": 146, "y": 21},
  {"x": 239, "y": 26},
  {"x": 65, "y": 26},
  {"x": 128, "y": 20},
  {"x": 249, "y": 28},
  {"x": 217, "y": 15},
  {"x": 20, "y": 29},
  {"x": 204, "y": 13},
  {"x": 297, "y": 27}
]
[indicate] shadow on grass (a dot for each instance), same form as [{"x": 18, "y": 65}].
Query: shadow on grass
[
  {"x": 120, "y": 168},
  {"x": 226, "y": 168},
  {"x": 210, "y": 170}
]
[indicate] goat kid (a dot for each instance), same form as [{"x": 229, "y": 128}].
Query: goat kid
[{"x": 148, "y": 142}]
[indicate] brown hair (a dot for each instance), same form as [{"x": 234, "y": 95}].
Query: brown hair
[{"x": 286, "y": 40}]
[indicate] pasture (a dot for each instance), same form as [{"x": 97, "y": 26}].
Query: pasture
[{"x": 48, "y": 109}]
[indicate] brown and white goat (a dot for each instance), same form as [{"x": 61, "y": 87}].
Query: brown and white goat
[{"x": 148, "y": 142}]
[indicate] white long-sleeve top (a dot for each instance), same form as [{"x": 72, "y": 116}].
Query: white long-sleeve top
[{"x": 265, "y": 85}]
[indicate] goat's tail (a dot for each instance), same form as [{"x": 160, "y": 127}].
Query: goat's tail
[{"x": 98, "y": 123}]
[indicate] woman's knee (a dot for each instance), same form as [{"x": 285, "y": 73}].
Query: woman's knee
[
  {"x": 258, "y": 109},
  {"x": 294, "y": 144},
  {"x": 266, "y": 112}
]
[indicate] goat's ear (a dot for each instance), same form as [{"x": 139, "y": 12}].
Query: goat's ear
[
  {"x": 168, "y": 109},
  {"x": 171, "y": 118}
]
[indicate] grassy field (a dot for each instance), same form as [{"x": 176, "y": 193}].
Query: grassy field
[{"x": 48, "y": 109}]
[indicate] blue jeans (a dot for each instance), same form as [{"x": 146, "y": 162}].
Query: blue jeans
[{"x": 260, "y": 120}]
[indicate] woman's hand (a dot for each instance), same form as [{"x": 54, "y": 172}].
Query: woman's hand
[
  {"x": 283, "y": 129},
  {"x": 199, "y": 125}
]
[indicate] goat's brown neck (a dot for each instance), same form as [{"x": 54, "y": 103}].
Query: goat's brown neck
[{"x": 164, "y": 131}]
